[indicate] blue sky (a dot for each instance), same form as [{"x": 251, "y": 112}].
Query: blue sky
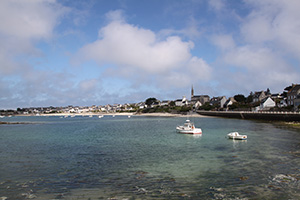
[{"x": 97, "y": 52}]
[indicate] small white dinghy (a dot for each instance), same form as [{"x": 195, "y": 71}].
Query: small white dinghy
[{"x": 236, "y": 136}]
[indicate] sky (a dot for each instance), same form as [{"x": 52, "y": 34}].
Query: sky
[{"x": 98, "y": 52}]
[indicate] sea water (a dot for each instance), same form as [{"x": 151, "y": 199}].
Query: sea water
[{"x": 144, "y": 158}]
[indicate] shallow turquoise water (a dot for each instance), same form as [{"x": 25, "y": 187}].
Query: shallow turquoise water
[{"x": 144, "y": 158}]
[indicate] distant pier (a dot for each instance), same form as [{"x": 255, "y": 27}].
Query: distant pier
[{"x": 276, "y": 116}]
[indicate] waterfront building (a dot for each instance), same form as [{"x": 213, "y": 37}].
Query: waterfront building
[
  {"x": 229, "y": 102},
  {"x": 165, "y": 103},
  {"x": 201, "y": 98},
  {"x": 267, "y": 103},
  {"x": 218, "y": 101},
  {"x": 258, "y": 96},
  {"x": 181, "y": 102},
  {"x": 293, "y": 94}
]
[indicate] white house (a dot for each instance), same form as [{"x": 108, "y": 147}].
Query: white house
[
  {"x": 293, "y": 94},
  {"x": 197, "y": 104},
  {"x": 141, "y": 105},
  {"x": 258, "y": 96},
  {"x": 229, "y": 102},
  {"x": 181, "y": 102},
  {"x": 267, "y": 103},
  {"x": 282, "y": 103},
  {"x": 164, "y": 103},
  {"x": 218, "y": 101},
  {"x": 297, "y": 102}
]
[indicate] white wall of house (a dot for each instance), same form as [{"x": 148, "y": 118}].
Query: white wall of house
[
  {"x": 164, "y": 103},
  {"x": 296, "y": 103},
  {"x": 282, "y": 103},
  {"x": 229, "y": 103},
  {"x": 269, "y": 103},
  {"x": 178, "y": 103},
  {"x": 223, "y": 101},
  {"x": 198, "y": 104},
  {"x": 181, "y": 102}
]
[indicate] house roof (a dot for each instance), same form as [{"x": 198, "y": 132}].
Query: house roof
[
  {"x": 257, "y": 94},
  {"x": 217, "y": 98},
  {"x": 294, "y": 89},
  {"x": 201, "y": 96},
  {"x": 265, "y": 99},
  {"x": 230, "y": 99}
]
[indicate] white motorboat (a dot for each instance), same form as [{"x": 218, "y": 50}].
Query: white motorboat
[
  {"x": 236, "y": 136},
  {"x": 188, "y": 128}
]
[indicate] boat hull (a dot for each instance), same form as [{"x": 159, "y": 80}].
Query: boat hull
[
  {"x": 188, "y": 128},
  {"x": 194, "y": 131},
  {"x": 236, "y": 136}
]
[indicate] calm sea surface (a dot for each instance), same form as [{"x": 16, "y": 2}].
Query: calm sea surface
[{"x": 144, "y": 158}]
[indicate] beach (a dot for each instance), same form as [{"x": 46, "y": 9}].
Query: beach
[{"x": 121, "y": 114}]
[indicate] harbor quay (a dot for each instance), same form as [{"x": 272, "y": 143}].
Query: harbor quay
[{"x": 276, "y": 116}]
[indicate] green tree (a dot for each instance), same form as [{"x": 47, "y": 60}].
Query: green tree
[
  {"x": 206, "y": 106},
  {"x": 172, "y": 103},
  {"x": 250, "y": 98},
  {"x": 240, "y": 98},
  {"x": 234, "y": 106},
  {"x": 150, "y": 101}
]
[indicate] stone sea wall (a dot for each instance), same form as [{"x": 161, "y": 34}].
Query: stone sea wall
[{"x": 278, "y": 116}]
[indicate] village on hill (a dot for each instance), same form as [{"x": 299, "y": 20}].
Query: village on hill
[{"x": 288, "y": 100}]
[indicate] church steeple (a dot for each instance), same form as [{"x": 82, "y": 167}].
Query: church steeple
[{"x": 192, "y": 92}]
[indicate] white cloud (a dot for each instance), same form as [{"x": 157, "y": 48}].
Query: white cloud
[
  {"x": 29, "y": 19},
  {"x": 199, "y": 69},
  {"x": 253, "y": 59},
  {"x": 139, "y": 51},
  {"x": 191, "y": 31},
  {"x": 224, "y": 42},
  {"x": 259, "y": 55},
  {"x": 196, "y": 70},
  {"x": 88, "y": 85},
  {"x": 276, "y": 22},
  {"x": 130, "y": 46},
  {"x": 216, "y": 4},
  {"x": 116, "y": 15},
  {"x": 256, "y": 68},
  {"x": 26, "y": 22}
]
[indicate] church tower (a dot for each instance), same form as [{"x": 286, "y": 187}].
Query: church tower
[{"x": 192, "y": 92}]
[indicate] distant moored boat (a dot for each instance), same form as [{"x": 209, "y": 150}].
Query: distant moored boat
[{"x": 236, "y": 136}]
